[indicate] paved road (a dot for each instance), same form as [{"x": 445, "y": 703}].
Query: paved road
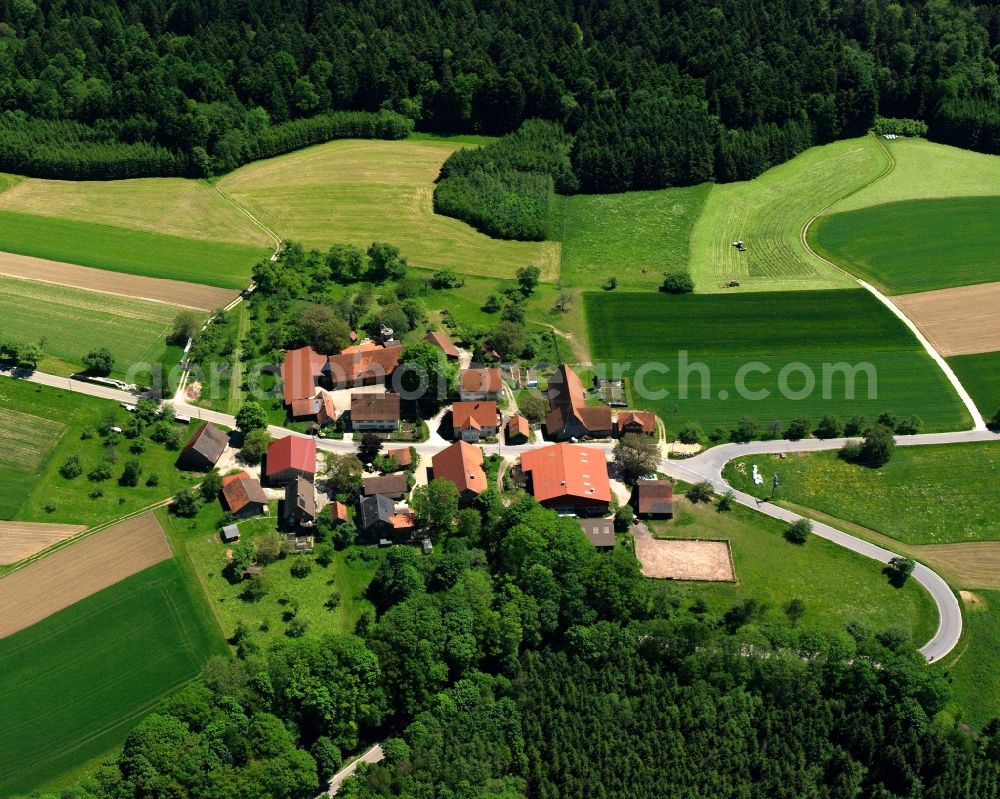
[
  {"x": 373, "y": 755},
  {"x": 706, "y": 466}
]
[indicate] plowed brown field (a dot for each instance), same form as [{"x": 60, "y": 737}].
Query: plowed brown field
[
  {"x": 47, "y": 586},
  {"x": 19, "y": 540},
  {"x": 171, "y": 292},
  {"x": 959, "y": 321}
]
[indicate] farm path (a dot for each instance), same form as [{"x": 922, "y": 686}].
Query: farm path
[{"x": 373, "y": 755}]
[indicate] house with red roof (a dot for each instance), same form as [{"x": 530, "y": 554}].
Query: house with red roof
[
  {"x": 301, "y": 373},
  {"x": 480, "y": 384},
  {"x": 243, "y": 496},
  {"x": 570, "y": 416},
  {"x": 375, "y": 411},
  {"x": 518, "y": 429},
  {"x": 471, "y": 421},
  {"x": 289, "y": 458},
  {"x": 443, "y": 343},
  {"x": 363, "y": 365},
  {"x": 641, "y": 422},
  {"x": 569, "y": 478},
  {"x": 462, "y": 465}
]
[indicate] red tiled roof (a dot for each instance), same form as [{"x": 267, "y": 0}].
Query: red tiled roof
[
  {"x": 292, "y": 452},
  {"x": 645, "y": 419},
  {"x": 360, "y": 365},
  {"x": 484, "y": 380},
  {"x": 565, "y": 387},
  {"x": 567, "y": 399},
  {"x": 402, "y": 521},
  {"x": 568, "y": 470},
  {"x": 442, "y": 341},
  {"x": 374, "y": 407},
  {"x": 461, "y": 464},
  {"x": 364, "y": 346},
  {"x": 239, "y": 490},
  {"x": 338, "y": 510},
  {"x": 518, "y": 425},
  {"x": 299, "y": 371},
  {"x": 655, "y": 496},
  {"x": 401, "y": 455},
  {"x": 474, "y": 415}
]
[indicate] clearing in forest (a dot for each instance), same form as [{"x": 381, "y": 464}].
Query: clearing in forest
[
  {"x": 768, "y": 214},
  {"x": 360, "y": 191}
]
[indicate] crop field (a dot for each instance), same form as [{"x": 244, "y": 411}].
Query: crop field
[
  {"x": 759, "y": 338},
  {"x": 768, "y": 214},
  {"x": 924, "y": 495},
  {"x": 78, "y": 570},
  {"x": 836, "y": 586},
  {"x": 634, "y": 236},
  {"x": 26, "y": 442},
  {"x": 73, "y": 685},
  {"x": 926, "y": 170},
  {"x": 915, "y": 245},
  {"x": 134, "y": 252},
  {"x": 44, "y": 495},
  {"x": 958, "y": 321},
  {"x": 20, "y": 540},
  {"x": 363, "y": 191},
  {"x": 980, "y": 375},
  {"x": 71, "y": 322}
]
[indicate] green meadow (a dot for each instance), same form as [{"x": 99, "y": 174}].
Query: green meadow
[
  {"x": 73, "y": 685},
  {"x": 915, "y": 245},
  {"x": 980, "y": 374},
  {"x": 973, "y": 669},
  {"x": 760, "y": 338}
]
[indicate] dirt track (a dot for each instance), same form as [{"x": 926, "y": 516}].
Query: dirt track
[
  {"x": 171, "y": 292},
  {"x": 959, "y": 321},
  {"x": 75, "y": 572},
  {"x": 20, "y": 540}
]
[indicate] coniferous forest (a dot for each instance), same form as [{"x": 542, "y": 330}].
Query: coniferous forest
[{"x": 653, "y": 94}]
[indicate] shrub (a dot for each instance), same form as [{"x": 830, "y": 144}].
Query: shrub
[
  {"x": 746, "y": 430},
  {"x": 71, "y": 468},
  {"x": 255, "y": 444},
  {"x": 101, "y": 472},
  {"x": 131, "y": 474},
  {"x": 296, "y": 627},
  {"x": 828, "y": 427},
  {"x": 624, "y": 518},
  {"x": 994, "y": 423},
  {"x": 690, "y": 433},
  {"x": 878, "y": 446},
  {"x": 717, "y": 434},
  {"x": 899, "y": 569},
  {"x": 701, "y": 492},
  {"x": 153, "y": 480},
  {"x": 301, "y": 568},
  {"x": 798, "y": 531},
  {"x": 99, "y": 362},
  {"x": 855, "y": 426},
  {"x": 909, "y": 426},
  {"x": 850, "y": 452},
  {"x": 798, "y": 429},
  {"x": 726, "y": 502},
  {"x": 187, "y": 502},
  {"x": 677, "y": 283}
]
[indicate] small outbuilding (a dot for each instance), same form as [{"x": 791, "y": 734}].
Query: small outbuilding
[
  {"x": 599, "y": 532},
  {"x": 655, "y": 499},
  {"x": 394, "y": 486},
  {"x": 518, "y": 430},
  {"x": 243, "y": 496},
  {"x": 230, "y": 533},
  {"x": 203, "y": 450},
  {"x": 443, "y": 343}
]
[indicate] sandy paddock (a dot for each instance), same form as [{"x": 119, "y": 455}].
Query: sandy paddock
[
  {"x": 171, "y": 292},
  {"x": 677, "y": 559},
  {"x": 83, "y": 568},
  {"x": 959, "y": 321},
  {"x": 20, "y": 540}
]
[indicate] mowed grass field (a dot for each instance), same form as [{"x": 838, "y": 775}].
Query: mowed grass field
[
  {"x": 768, "y": 214},
  {"x": 620, "y": 235},
  {"x": 973, "y": 669},
  {"x": 837, "y": 586},
  {"x": 73, "y": 685},
  {"x": 762, "y": 335},
  {"x": 980, "y": 374},
  {"x": 915, "y": 245},
  {"x": 136, "y": 252},
  {"x": 924, "y": 495},
  {"x": 72, "y": 322},
  {"x": 358, "y": 192},
  {"x": 27, "y": 442}
]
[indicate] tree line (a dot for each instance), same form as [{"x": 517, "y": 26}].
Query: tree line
[{"x": 654, "y": 95}]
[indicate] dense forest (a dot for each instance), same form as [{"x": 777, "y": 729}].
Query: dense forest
[
  {"x": 653, "y": 94},
  {"x": 517, "y": 661}
]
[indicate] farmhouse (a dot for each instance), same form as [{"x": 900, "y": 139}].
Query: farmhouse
[
  {"x": 375, "y": 411},
  {"x": 291, "y": 457},
  {"x": 570, "y": 416},
  {"x": 518, "y": 429},
  {"x": 655, "y": 499},
  {"x": 462, "y": 465},
  {"x": 471, "y": 421},
  {"x": 363, "y": 365},
  {"x": 302, "y": 370},
  {"x": 568, "y": 478},
  {"x": 643, "y": 422},
  {"x": 480, "y": 384},
  {"x": 599, "y": 532},
  {"x": 443, "y": 343},
  {"x": 243, "y": 496},
  {"x": 393, "y": 486},
  {"x": 203, "y": 449},
  {"x": 300, "y": 503},
  {"x": 378, "y": 519}
]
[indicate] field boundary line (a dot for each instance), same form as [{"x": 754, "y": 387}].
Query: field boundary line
[
  {"x": 246, "y": 212},
  {"x": 978, "y": 423}
]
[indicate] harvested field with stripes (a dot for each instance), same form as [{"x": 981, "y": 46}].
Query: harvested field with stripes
[
  {"x": 20, "y": 540},
  {"x": 957, "y": 321},
  {"x": 75, "y": 572},
  {"x": 172, "y": 292}
]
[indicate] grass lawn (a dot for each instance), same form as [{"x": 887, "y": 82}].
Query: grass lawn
[
  {"x": 973, "y": 669},
  {"x": 31, "y": 482},
  {"x": 72, "y": 322},
  {"x": 619, "y": 235},
  {"x": 73, "y": 685},
  {"x": 135, "y": 252},
  {"x": 916, "y": 245},
  {"x": 924, "y": 495},
  {"x": 837, "y": 586},
  {"x": 980, "y": 374},
  {"x": 926, "y": 170},
  {"x": 358, "y": 192},
  {"x": 727, "y": 333},
  {"x": 768, "y": 214},
  {"x": 348, "y": 575}
]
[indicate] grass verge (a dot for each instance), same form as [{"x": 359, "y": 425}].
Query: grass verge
[{"x": 980, "y": 374}]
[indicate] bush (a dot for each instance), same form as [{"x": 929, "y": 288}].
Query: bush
[
  {"x": 855, "y": 426},
  {"x": 828, "y": 427},
  {"x": 131, "y": 474},
  {"x": 301, "y": 568},
  {"x": 677, "y": 283},
  {"x": 99, "y": 362},
  {"x": 296, "y": 627},
  {"x": 188, "y": 502},
  {"x": 877, "y": 447},
  {"x": 624, "y": 518},
  {"x": 798, "y": 429},
  {"x": 701, "y": 492},
  {"x": 909, "y": 426},
  {"x": 255, "y": 444},
  {"x": 850, "y": 452},
  {"x": 717, "y": 435},
  {"x": 726, "y": 502},
  {"x": 153, "y": 480},
  {"x": 690, "y": 433},
  {"x": 798, "y": 532},
  {"x": 994, "y": 423},
  {"x": 746, "y": 430},
  {"x": 102, "y": 471},
  {"x": 71, "y": 468},
  {"x": 899, "y": 570}
]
